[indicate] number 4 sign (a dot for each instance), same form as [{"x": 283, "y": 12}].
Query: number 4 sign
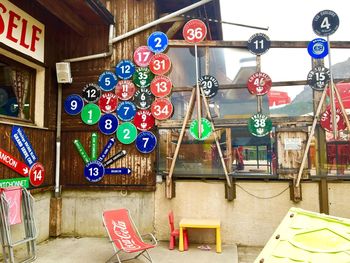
[{"x": 194, "y": 31}]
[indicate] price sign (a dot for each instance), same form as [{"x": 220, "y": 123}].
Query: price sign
[
  {"x": 259, "y": 83},
  {"x": 107, "y": 80},
  {"x": 143, "y": 77},
  {"x": 94, "y": 171},
  {"x": 126, "y": 110},
  {"x": 144, "y": 120},
  {"x": 36, "y": 174},
  {"x": 142, "y": 56},
  {"x": 125, "y": 89},
  {"x": 143, "y": 98},
  {"x": 90, "y": 114},
  {"x": 326, "y": 120},
  {"x": 73, "y": 104},
  {"x": 194, "y": 31},
  {"x": 146, "y": 142},
  {"x": 91, "y": 93},
  {"x": 108, "y": 124},
  {"x": 209, "y": 84},
  {"x": 317, "y": 48},
  {"x": 160, "y": 64},
  {"x": 206, "y": 129},
  {"x": 157, "y": 42},
  {"x": 325, "y": 23},
  {"x": 162, "y": 109},
  {"x": 126, "y": 133},
  {"x": 318, "y": 78},
  {"x": 161, "y": 86},
  {"x": 258, "y": 44},
  {"x": 108, "y": 102},
  {"x": 125, "y": 69},
  {"x": 259, "y": 125}
]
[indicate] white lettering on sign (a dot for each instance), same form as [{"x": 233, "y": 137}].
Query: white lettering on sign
[
  {"x": 126, "y": 241},
  {"x": 8, "y": 160},
  {"x": 21, "y": 31}
]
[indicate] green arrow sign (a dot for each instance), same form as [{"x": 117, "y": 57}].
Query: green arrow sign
[
  {"x": 259, "y": 125},
  {"x": 81, "y": 151},
  {"x": 94, "y": 137},
  {"x": 24, "y": 182},
  {"x": 206, "y": 129}
]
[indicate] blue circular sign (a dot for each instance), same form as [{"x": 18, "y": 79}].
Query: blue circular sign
[
  {"x": 73, "y": 104},
  {"x": 146, "y": 142},
  {"x": 107, "y": 80},
  {"x": 126, "y": 110},
  {"x": 108, "y": 124},
  {"x": 157, "y": 42},
  {"x": 94, "y": 171},
  {"x": 125, "y": 69},
  {"x": 318, "y": 48}
]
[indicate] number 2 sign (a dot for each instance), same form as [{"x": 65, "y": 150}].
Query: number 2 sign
[{"x": 194, "y": 31}]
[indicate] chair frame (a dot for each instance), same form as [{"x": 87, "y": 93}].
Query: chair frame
[{"x": 174, "y": 232}]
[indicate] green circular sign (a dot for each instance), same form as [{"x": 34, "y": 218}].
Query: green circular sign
[
  {"x": 142, "y": 77},
  {"x": 259, "y": 125},
  {"x": 91, "y": 114},
  {"x": 126, "y": 133},
  {"x": 206, "y": 129}
]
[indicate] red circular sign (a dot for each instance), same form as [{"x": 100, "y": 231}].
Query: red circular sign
[
  {"x": 142, "y": 56},
  {"x": 108, "y": 102},
  {"x": 194, "y": 31},
  {"x": 162, "y": 109},
  {"x": 37, "y": 174},
  {"x": 125, "y": 89},
  {"x": 161, "y": 86},
  {"x": 326, "y": 120},
  {"x": 259, "y": 83},
  {"x": 160, "y": 64},
  {"x": 144, "y": 120}
]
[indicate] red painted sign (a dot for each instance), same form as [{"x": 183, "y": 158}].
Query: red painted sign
[
  {"x": 144, "y": 120},
  {"x": 194, "y": 31},
  {"x": 259, "y": 83},
  {"x": 13, "y": 163},
  {"x": 160, "y": 64},
  {"x": 326, "y": 120},
  {"x": 108, "y": 102},
  {"x": 37, "y": 174},
  {"x": 162, "y": 109},
  {"x": 142, "y": 56},
  {"x": 161, "y": 86},
  {"x": 125, "y": 89}
]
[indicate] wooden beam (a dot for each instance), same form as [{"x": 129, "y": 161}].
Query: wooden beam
[{"x": 176, "y": 26}]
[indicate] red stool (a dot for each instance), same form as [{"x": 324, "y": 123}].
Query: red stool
[{"x": 175, "y": 233}]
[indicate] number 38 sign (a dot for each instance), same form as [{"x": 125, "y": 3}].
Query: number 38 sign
[
  {"x": 259, "y": 125},
  {"x": 194, "y": 31}
]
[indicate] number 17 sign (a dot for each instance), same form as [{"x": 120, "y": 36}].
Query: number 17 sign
[{"x": 194, "y": 31}]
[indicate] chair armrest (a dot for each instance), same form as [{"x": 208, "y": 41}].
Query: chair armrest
[{"x": 153, "y": 239}]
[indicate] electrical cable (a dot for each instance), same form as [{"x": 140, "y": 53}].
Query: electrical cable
[{"x": 259, "y": 197}]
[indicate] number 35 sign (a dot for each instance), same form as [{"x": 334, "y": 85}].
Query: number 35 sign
[{"x": 194, "y": 31}]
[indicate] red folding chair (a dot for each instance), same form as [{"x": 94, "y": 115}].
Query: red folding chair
[
  {"x": 174, "y": 232},
  {"x": 124, "y": 235}
]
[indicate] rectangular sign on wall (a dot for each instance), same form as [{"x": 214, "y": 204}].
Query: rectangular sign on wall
[{"x": 21, "y": 31}]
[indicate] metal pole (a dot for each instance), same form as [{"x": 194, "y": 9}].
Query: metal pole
[
  {"x": 198, "y": 95},
  {"x": 58, "y": 140}
]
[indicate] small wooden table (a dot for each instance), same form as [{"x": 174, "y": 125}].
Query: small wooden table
[{"x": 200, "y": 223}]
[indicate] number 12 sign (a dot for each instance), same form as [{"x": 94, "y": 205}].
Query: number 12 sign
[{"x": 194, "y": 31}]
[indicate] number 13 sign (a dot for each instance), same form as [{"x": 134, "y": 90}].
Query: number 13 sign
[{"x": 194, "y": 31}]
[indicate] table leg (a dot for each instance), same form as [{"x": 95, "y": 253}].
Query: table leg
[
  {"x": 181, "y": 239},
  {"x": 218, "y": 240}
]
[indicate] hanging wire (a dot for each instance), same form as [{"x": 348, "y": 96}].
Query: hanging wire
[{"x": 260, "y": 197}]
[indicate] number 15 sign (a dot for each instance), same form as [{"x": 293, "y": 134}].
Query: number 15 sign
[{"x": 194, "y": 31}]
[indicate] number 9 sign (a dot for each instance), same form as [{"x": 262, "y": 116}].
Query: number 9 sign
[
  {"x": 194, "y": 31},
  {"x": 73, "y": 104}
]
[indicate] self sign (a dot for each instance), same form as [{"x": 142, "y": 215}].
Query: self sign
[
  {"x": 194, "y": 31},
  {"x": 259, "y": 83},
  {"x": 107, "y": 80},
  {"x": 108, "y": 102},
  {"x": 125, "y": 89},
  {"x": 318, "y": 78},
  {"x": 73, "y": 104},
  {"x": 91, "y": 93},
  {"x": 160, "y": 64},
  {"x": 209, "y": 85},
  {"x": 144, "y": 120},
  {"x": 258, "y": 44},
  {"x": 161, "y": 86},
  {"x": 162, "y": 109},
  {"x": 142, "y": 56}
]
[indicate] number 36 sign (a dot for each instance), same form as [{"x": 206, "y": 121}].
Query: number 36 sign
[{"x": 194, "y": 31}]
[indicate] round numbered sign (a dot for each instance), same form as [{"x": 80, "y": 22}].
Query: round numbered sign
[
  {"x": 206, "y": 129},
  {"x": 143, "y": 77},
  {"x": 36, "y": 174},
  {"x": 161, "y": 86},
  {"x": 194, "y": 31},
  {"x": 125, "y": 69},
  {"x": 209, "y": 85},
  {"x": 318, "y": 48},
  {"x": 146, "y": 142},
  {"x": 258, "y": 44},
  {"x": 325, "y": 23},
  {"x": 126, "y": 110},
  {"x": 94, "y": 171},
  {"x": 126, "y": 133},
  {"x": 259, "y": 125},
  {"x": 143, "y": 98},
  {"x": 108, "y": 102},
  {"x": 144, "y": 120},
  {"x": 90, "y": 114},
  {"x": 160, "y": 64},
  {"x": 318, "y": 78},
  {"x": 73, "y": 104},
  {"x": 125, "y": 89},
  {"x": 162, "y": 109},
  {"x": 142, "y": 56},
  {"x": 108, "y": 124},
  {"x": 91, "y": 93},
  {"x": 157, "y": 42},
  {"x": 259, "y": 83},
  {"x": 107, "y": 80},
  {"x": 326, "y": 120}
]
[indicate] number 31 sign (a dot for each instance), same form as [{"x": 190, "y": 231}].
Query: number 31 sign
[{"x": 194, "y": 31}]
